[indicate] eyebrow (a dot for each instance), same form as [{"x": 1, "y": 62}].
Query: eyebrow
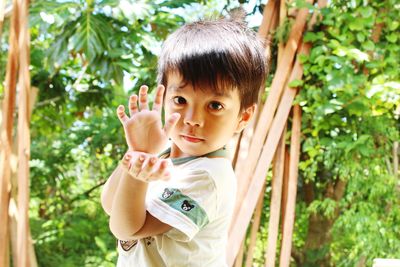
[
  {"x": 178, "y": 89},
  {"x": 219, "y": 94},
  {"x": 175, "y": 89},
  {"x": 224, "y": 94}
]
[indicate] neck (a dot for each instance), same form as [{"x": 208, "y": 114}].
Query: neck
[{"x": 177, "y": 153}]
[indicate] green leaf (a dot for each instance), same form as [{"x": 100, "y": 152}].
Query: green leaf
[
  {"x": 176, "y": 3},
  {"x": 91, "y": 35},
  {"x": 393, "y": 25},
  {"x": 296, "y": 83},
  {"x": 101, "y": 244},
  {"x": 356, "y": 25},
  {"x": 357, "y": 108},
  {"x": 367, "y": 12},
  {"x": 368, "y": 45},
  {"x": 393, "y": 37},
  {"x": 360, "y": 37}
]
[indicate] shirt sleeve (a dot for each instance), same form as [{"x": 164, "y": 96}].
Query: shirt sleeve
[{"x": 187, "y": 205}]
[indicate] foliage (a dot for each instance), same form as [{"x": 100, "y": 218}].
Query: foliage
[
  {"x": 87, "y": 56},
  {"x": 350, "y": 98},
  {"x": 347, "y": 209}
]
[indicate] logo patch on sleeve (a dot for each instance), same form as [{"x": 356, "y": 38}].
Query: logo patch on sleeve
[
  {"x": 186, "y": 206},
  {"x": 189, "y": 207},
  {"x": 167, "y": 193}
]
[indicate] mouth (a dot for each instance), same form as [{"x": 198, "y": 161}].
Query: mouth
[{"x": 192, "y": 139}]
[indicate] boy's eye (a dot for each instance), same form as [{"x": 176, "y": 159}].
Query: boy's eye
[
  {"x": 179, "y": 100},
  {"x": 215, "y": 105}
]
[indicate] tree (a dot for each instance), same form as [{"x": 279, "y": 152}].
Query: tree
[
  {"x": 350, "y": 100},
  {"x": 84, "y": 55}
]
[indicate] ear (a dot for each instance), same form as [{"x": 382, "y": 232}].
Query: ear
[{"x": 244, "y": 117}]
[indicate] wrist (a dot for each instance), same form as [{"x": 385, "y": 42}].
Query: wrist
[
  {"x": 139, "y": 182},
  {"x": 146, "y": 151}
]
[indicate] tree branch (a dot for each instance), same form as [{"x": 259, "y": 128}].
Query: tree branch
[{"x": 87, "y": 192}]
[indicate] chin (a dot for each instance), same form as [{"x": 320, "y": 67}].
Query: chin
[{"x": 192, "y": 150}]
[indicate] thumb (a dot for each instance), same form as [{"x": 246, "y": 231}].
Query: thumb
[{"x": 171, "y": 122}]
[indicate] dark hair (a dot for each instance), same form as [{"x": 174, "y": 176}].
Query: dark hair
[{"x": 219, "y": 54}]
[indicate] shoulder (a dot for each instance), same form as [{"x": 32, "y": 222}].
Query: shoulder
[{"x": 219, "y": 173}]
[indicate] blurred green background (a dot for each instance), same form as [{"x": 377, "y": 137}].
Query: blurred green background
[{"x": 88, "y": 56}]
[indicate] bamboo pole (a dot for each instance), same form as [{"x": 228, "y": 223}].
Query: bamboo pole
[
  {"x": 267, "y": 19},
  {"x": 282, "y": 17},
  {"x": 285, "y": 189},
  {"x": 13, "y": 209},
  {"x": 273, "y": 225},
  {"x": 242, "y": 149},
  {"x": 254, "y": 229},
  {"x": 269, "y": 109},
  {"x": 239, "y": 258},
  {"x": 248, "y": 202},
  {"x": 23, "y": 139},
  {"x": 8, "y": 106},
  {"x": 292, "y": 188}
]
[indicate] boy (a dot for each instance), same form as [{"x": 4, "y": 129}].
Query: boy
[{"x": 175, "y": 209}]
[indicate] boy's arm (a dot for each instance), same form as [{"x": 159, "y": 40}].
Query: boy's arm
[
  {"x": 128, "y": 211},
  {"x": 109, "y": 188},
  {"x": 129, "y": 218}
]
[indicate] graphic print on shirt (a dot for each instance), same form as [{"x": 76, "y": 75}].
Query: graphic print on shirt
[
  {"x": 149, "y": 240},
  {"x": 127, "y": 245},
  {"x": 167, "y": 193},
  {"x": 184, "y": 204}
]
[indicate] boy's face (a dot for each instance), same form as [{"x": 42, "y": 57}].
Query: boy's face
[{"x": 207, "y": 120}]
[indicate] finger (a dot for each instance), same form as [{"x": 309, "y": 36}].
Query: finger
[
  {"x": 171, "y": 122},
  {"x": 143, "y": 97},
  {"x": 136, "y": 165},
  {"x": 133, "y": 108},
  {"x": 159, "y": 98},
  {"x": 126, "y": 161},
  {"x": 168, "y": 169},
  {"x": 121, "y": 114},
  {"x": 147, "y": 169}
]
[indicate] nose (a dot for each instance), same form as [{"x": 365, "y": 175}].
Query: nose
[{"x": 193, "y": 117}]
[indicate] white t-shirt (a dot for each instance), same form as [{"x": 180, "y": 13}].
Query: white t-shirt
[{"x": 198, "y": 203}]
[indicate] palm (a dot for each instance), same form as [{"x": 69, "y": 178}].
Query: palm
[
  {"x": 143, "y": 129},
  {"x": 144, "y": 132}
]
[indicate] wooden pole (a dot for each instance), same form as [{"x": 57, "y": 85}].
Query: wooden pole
[
  {"x": 285, "y": 188},
  {"x": 254, "y": 229},
  {"x": 8, "y": 106},
  {"x": 273, "y": 226},
  {"x": 23, "y": 139},
  {"x": 241, "y": 157},
  {"x": 270, "y": 108},
  {"x": 282, "y": 17},
  {"x": 239, "y": 258},
  {"x": 267, "y": 19},
  {"x": 248, "y": 202},
  {"x": 292, "y": 188}
]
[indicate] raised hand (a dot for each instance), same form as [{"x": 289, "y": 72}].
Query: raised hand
[
  {"x": 143, "y": 128},
  {"x": 146, "y": 167}
]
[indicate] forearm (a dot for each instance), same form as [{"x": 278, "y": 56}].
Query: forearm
[
  {"x": 128, "y": 212},
  {"x": 108, "y": 192}
]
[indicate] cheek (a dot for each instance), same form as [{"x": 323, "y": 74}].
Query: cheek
[{"x": 168, "y": 110}]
